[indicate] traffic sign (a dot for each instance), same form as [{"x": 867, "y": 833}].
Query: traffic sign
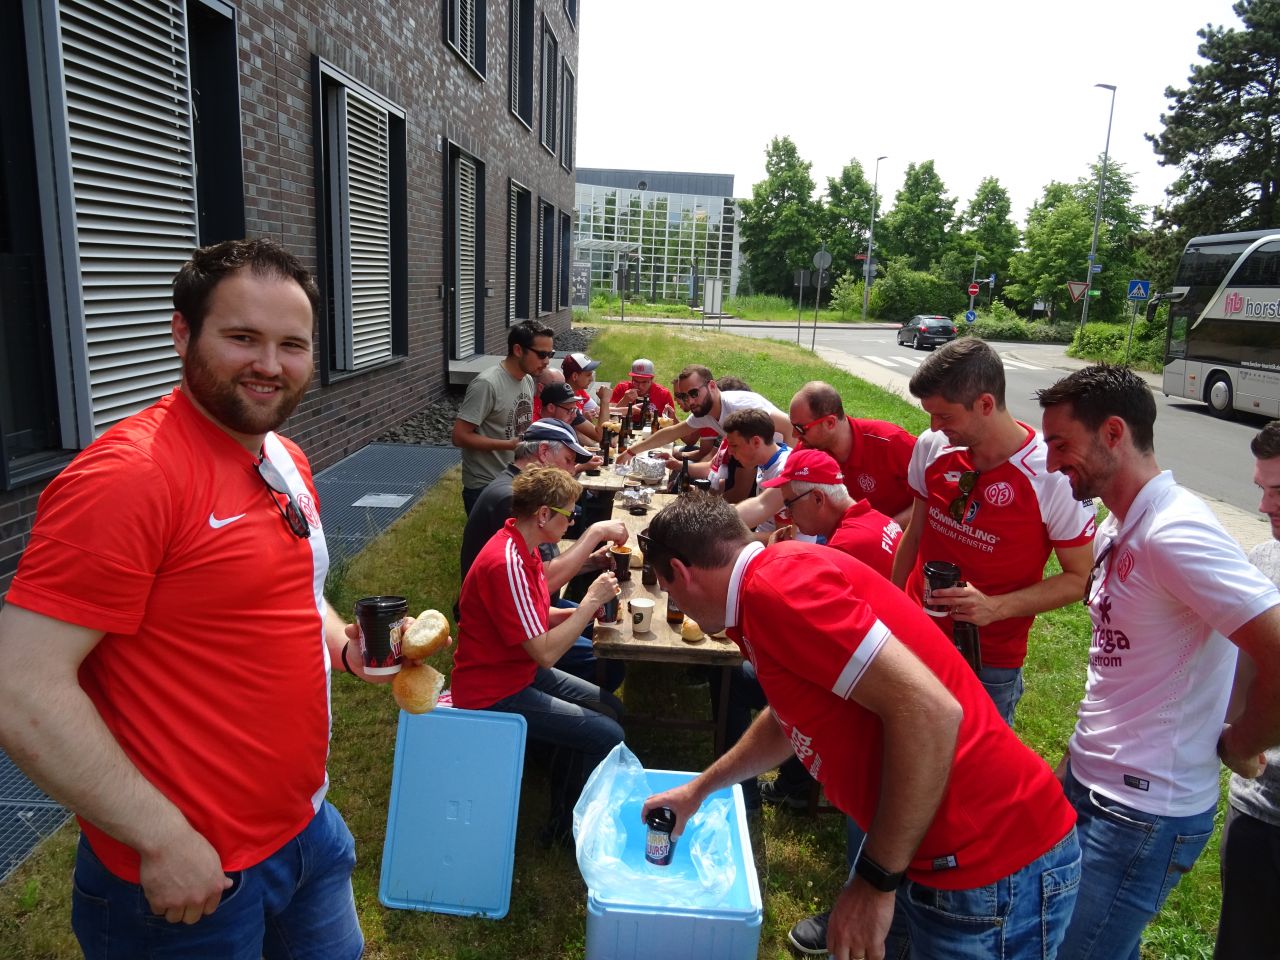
[
  {"x": 822, "y": 259},
  {"x": 1095, "y": 268},
  {"x": 1139, "y": 289},
  {"x": 992, "y": 280},
  {"x": 1076, "y": 288},
  {"x": 970, "y": 316},
  {"x": 973, "y": 289},
  {"x": 1095, "y": 292}
]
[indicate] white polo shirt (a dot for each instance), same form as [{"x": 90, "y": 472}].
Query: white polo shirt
[{"x": 1170, "y": 587}]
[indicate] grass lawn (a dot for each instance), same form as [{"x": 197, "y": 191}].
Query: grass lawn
[{"x": 803, "y": 859}]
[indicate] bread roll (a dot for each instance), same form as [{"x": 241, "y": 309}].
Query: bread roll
[
  {"x": 690, "y": 631},
  {"x": 429, "y": 633},
  {"x": 416, "y": 688}
]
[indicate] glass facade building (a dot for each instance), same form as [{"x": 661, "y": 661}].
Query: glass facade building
[{"x": 682, "y": 226}]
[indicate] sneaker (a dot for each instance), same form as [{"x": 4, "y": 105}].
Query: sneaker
[
  {"x": 809, "y": 936},
  {"x": 771, "y": 793}
]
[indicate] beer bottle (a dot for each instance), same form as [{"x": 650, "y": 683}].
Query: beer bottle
[
  {"x": 675, "y": 616},
  {"x": 606, "y": 437},
  {"x": 965, "y": 636},
  {"x": 682, "y": 481}
]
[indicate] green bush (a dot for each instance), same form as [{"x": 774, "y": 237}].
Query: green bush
[
  {"x": 1106, "y": 342},
  {"x": 846, "y": 296}
]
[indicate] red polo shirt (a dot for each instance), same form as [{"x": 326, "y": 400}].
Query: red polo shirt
[
  {"x": 877, "y": 465},
  {"x": 868, "y": 535}
]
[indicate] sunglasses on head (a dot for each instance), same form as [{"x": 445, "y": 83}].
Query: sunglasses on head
[
  {"x": 960, "y": 505},
  {"x": 800, "y": 428},
  {"x": 291, "y": 512},
  {"x": 691, "y": 395},
  {"x": 1093, "y": 574}
]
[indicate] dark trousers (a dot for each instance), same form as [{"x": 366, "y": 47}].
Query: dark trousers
[
  {"x": 469, "y": 497},
  {"x": 1249, "y": 926}
]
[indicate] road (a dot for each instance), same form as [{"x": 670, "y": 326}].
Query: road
[{"x": 1208, "y": 455}]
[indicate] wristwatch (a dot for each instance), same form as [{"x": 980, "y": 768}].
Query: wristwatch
[{"x": 878, "y": 876}]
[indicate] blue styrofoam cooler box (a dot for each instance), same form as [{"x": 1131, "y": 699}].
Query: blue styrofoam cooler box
[
  {"x": 451, "y": 819},
  {"x": 630, "y": 929}
]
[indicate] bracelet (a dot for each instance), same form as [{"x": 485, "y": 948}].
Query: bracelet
[{"x": 345, "y": 665}]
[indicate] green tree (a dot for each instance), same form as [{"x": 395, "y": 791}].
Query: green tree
[
  {"x": 846, "y": 216},
  {"x": 904, "y": 291},
  {"x": 917, "y": 226},
  {"x": 989, "y": 231},
  {"x": 1221, "y": 132},
  {"x": 779, "y": 222}
]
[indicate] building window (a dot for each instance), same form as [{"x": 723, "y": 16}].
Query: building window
[
  {"x": 566, "y": 242},
  {"x": 521, "y": 60},
  {"x": 546, "y": 257},
  {"x": 466, "y": 270},
  {"x": 465, "y": 31},
  {"x": 550, "y": 88},
  {"x": 567, "y": 110},
  {"x": 363, "y": 227},
  {"x": 571, "y": 11},
  {"x": 215, "y": 104},
  {"x": 518, "y": 201}
]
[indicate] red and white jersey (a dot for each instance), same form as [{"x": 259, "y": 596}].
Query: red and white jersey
[
  {"x": 1014, "y": 517},
  {"x": 1170, "y": 586},
  {"x": 868, "y": 535},
  {"x": 812, "y": 620},
  {"x": 876, "y": 469},
  {"x": 212, "y": 673},
  {"x": 505, "y": 602},
  {"x": 587, "y": 404},
  {"x": 767, "y": 472}
]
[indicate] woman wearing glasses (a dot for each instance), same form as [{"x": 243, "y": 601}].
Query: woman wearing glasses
[{"x": 509, "y": 638}]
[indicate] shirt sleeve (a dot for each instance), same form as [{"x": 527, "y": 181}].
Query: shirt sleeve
[
  {"x": 101, "y": 534},
  {"x": 527, "y": 617},
  {"x": 922, "y": 454},
  {"x": 1197, "y": 562},
  {"x": 618, "y": 390},
  {"x": 476, "y": 402},
  {"x": 828, "y": 636},
  {"x": 1068, "y": 521}
]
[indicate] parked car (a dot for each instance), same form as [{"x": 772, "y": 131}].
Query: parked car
[{"x": 926, "y": 331}]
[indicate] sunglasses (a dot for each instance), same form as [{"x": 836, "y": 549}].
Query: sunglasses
[
  {"x": 801, "y": 428},
  {"x": 647, "y": 544},
  {"x": 571, "y": 515},
  {"x": 960, "y": 505},
  {"x": 291, "y": 512},
  {"x": 1093, "y": 574},
  {"x": 542, "y": 354},
  {"x": 691, "y": 395}
]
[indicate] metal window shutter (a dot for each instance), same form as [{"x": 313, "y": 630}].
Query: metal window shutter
[
  {"x": 515, "y": 56},
  {"x": 133, "y": 191},
  {"x": 549, "y": 91},
  {"x": 542, "y": 263},
  {"x": 513, "y": 232},
  {"x": 369, "y": 230},
  {"x": 466, "y": 291},
  {"x": 467, "y": 29}
]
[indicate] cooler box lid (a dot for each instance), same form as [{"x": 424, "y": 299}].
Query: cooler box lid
[{"x": 451, "y": 822}]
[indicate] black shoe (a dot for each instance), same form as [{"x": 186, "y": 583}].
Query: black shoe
[
  {"x": 809, "y": 936},
  {"x": 771, "y": 793}
]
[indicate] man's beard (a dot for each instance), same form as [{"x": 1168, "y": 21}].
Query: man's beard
[{"x": 221, "y": 399}]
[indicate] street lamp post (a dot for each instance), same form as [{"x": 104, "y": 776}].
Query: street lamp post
[
  {"x": 1097, "y": 212},
  {"x": 871, "y": 237}
]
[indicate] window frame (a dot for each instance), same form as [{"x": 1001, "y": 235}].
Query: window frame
[
  {"x": 549, "y": 124},
  {"x": 521, "y": 25},
  {"x": 571, "y": 12},
  {"x": 568, "y": 108},
  {"x": 452, "y": 24}
]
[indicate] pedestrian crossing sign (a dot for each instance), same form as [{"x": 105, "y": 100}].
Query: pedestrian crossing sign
[{"x": 1139, "y": 289}]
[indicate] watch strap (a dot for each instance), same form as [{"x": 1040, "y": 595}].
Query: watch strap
[{"x": 878, "y": 876}]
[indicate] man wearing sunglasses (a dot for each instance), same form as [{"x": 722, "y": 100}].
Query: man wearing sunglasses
[
  {"x": 970, "y": 846},
  {"x": 986, "y": 501},
  {"x": 549, "y": 443},
  {"x": 1172, "y": 599},
  {"x": 498, "y": 407},
  {"x": 167, "y": 646}
]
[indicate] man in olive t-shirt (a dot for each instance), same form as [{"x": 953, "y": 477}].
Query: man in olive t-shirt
[{"x": 498, "y": 408}]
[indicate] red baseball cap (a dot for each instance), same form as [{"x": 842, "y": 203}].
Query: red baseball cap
[
  {"x": 810, "y": 466},
  {"x": 642, "y": 369}
]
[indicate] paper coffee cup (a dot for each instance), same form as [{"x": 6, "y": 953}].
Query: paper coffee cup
[
  {"x": 641, "y": 609},
  {"x": 380, "y": 620}
]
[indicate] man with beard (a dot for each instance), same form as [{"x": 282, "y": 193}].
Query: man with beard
[
  {"x": 1171, "y": 597},
  {"x": 167, "y": 648}
]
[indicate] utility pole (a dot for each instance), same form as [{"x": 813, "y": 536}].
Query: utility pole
[
  {"x": 871, "y": 237},
  {"x": 973, "y": 278},
  {"x": 1097, "y": 213}
]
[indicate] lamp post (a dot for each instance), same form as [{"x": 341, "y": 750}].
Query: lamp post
[
  {"x": 1097, "y": 212},
  {"x": 871, "y": 237}
]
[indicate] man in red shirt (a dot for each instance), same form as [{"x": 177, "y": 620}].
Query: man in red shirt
[
  {"x": 970, "y": 842},
  {"x": 986, "y": 501},
  {"x": 873, "y": 454},
  {"x": 167, "y": 646},
  {"x": 641, "y": 389}
]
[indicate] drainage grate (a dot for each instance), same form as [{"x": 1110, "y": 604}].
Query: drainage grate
[{"x": 396, "y": 474}]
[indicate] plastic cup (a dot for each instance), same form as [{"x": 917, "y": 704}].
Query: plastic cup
[
  {"x": 641, "y": 614},
  {"x": 621, "y": 561},
  {"x": 380, "y": 619}
]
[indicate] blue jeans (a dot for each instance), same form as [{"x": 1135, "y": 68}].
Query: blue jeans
[
  {"x": 1004, "y": 686},
  {"x": 580, "y": 659},
  {"x": 1020, "y": 917},
  {"x": 1132, "y": 860},
  {"x": 296, "y": 904},
  {"x": 578, "y": 720}
]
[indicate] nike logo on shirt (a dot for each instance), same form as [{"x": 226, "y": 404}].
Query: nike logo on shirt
[{"x": 216, "y": 523}]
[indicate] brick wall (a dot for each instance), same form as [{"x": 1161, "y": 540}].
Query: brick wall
[{"x": 402, "y": 56}]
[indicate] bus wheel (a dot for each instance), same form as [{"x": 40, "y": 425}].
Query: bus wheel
[{"x": 1218, "y": 395}]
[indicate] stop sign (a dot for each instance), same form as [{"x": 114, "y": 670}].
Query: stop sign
[{"x": 973, "y": 289}]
